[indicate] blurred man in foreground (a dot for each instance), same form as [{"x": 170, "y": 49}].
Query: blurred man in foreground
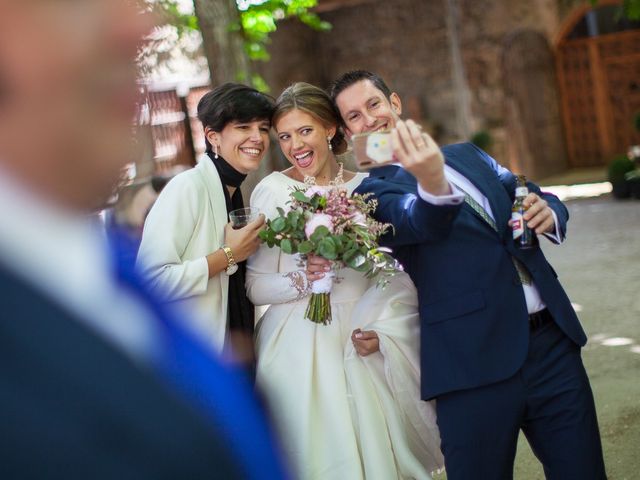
[{"x": 96, "y": 379}]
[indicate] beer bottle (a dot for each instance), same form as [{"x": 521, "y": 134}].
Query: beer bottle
[{"x": 522, "y": 234}]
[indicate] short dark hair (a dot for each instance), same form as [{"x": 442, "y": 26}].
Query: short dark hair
[
  {"x": 347, "y": 79},
  {"x": 233, "y": 102}
]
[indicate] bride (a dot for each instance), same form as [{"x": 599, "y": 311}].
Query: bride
[{"x": 345, "y": 408}]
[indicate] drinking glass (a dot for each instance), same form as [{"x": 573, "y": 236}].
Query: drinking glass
[{"x": 243, "y": 216}]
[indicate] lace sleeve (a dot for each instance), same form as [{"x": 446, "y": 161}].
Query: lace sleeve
[
  {"x": 298, "y": 281},
  {"x": 272, "y": 276},
  {"x": 266, "y": 285}
]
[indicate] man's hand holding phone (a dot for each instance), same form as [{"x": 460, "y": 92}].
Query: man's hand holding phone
[
  {"x": 408, "y": 145},
  {"x": 420, "y": 155}
]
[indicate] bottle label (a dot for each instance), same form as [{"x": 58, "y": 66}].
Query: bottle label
[
  {"x": 522, "y": 192},
  {"x": 517, "y": 225}
]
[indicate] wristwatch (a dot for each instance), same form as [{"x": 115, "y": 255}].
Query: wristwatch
[{"x": 232, "y": 266}]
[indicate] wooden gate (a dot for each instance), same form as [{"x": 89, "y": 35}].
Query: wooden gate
[{"x": 599, "y": 79}]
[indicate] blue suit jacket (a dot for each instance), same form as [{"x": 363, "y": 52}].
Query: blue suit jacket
[
  {"x": 72, "y": 406},
  {"x": 474, "y": 323}
]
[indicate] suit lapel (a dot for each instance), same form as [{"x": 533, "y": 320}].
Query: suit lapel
[
  {"x": 488, "y": 183},
  {"x": 387, "y": 171}
]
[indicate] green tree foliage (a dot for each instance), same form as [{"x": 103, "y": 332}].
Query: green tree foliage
[
  {"x": 630, "y": 8},
  {"x": 257, "y": 21},
  {"x": 169, "y": 13}
]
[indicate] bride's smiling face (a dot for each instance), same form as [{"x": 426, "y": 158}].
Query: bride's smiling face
[{"x": 303, "y": 140}]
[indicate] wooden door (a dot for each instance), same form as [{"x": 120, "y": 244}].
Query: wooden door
[{"x": 599, "y": 80}]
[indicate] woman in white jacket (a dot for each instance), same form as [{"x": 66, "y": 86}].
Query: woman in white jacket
[{"x": 189, "y": 252}]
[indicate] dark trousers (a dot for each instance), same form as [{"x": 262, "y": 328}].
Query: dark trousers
[{"x": 549, "y": 399}]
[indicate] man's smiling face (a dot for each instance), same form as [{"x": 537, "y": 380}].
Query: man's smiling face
[{"x": 365, "y": 108}]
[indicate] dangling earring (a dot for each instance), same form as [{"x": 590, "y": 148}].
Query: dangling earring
[
  {"x": 215, "y": 152},
  {"x": 329, "y": 143}
]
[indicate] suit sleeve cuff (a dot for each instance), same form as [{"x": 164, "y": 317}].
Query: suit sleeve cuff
[
  {"x": 456, "y": 197},
  {"x": 556, "y": 235}
]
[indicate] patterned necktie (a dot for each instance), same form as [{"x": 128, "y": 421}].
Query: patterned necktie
[{"x": 523, "y": 273}]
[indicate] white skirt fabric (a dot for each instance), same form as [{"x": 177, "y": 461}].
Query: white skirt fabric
[{"x": 343, "y": 416}]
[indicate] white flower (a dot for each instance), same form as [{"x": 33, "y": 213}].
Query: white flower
[
  {"x": 359, "y": 218},
  {"x": 312, "y": 190},
  {"x": 317, "y": 220}
]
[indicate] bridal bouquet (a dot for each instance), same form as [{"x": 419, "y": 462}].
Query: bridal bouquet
[{"x": 327, "y": 222}]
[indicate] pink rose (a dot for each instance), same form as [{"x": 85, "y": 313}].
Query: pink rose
[
  {"x": 312, "y": 190},
  {"x": 317, "y": 220}
]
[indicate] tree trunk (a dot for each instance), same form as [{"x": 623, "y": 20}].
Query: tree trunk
[
  {"x": 459, "y": 76},
  {"x": 223, "y": 47}
]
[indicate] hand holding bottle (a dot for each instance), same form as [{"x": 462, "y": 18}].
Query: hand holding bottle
[
  {"x": 530, "y": 213},
  {"x": 539, "y": 216}
]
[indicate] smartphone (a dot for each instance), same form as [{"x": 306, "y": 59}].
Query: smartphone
[{"x": 372, "y": 149}]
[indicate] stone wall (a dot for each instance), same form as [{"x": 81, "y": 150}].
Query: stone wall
[
  {"x": 485, "y": 33},
  {"x": 403, "y": 40},
  {"x": 408, "y": 43}
]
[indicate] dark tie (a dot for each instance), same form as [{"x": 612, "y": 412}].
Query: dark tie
[{"x": 523, "y": 273}]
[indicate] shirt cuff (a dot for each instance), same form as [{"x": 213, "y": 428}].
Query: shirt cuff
[
  {"x": 555, "y": 236},
  {"x": 456, "y": 197}
]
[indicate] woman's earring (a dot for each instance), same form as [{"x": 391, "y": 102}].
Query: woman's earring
[
  {"x": 215, "y": 151},
  {"x": 329, "y": 143}
]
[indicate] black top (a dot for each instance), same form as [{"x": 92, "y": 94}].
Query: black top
[{"x": 241, "y": 310}]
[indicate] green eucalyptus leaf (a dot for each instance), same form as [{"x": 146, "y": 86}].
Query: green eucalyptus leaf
[
  {"x": 319, "y": 233},
  {"x": 364, "y": 267},
  {"x": 293, "y": 217},
  {"x": 305, "y": 247},
  {"x": 271, "y": 235},
  {"x": 349, "y": 255},
  {"x": 356, "y": 261},
  {"x": 327, "y": 249},
  {"x": 279, "y": 224},
  {"x": 301, "y": 197},
  {"x": 286, "y": 246}
]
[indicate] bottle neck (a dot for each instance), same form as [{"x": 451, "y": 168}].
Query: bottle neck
[{"x": 522, "y": 192}]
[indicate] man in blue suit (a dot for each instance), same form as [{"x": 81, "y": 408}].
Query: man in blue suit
[
  {"x": 500, "y": 341},
  {"x": 97, "y": 381}
]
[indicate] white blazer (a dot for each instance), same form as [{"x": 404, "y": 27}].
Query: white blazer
[{"x": 184, "y": 226}]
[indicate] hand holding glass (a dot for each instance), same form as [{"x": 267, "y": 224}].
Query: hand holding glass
[{"x": 243, "y": 216}]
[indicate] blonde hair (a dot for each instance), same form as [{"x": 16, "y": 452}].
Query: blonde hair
[{"x": 316, "y": 102}]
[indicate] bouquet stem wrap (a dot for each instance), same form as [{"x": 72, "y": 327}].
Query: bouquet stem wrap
[{"x": 319, "y": 307}]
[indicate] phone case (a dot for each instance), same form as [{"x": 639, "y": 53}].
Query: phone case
[{"x": 372, "y": 149}]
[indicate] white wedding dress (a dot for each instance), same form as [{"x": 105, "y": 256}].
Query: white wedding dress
[{"x": 340, "y": 416}]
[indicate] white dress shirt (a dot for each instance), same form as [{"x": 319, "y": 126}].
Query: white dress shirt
[
  {"x": 65, "y": 256},
  {"x": 531, "y": 293}
]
